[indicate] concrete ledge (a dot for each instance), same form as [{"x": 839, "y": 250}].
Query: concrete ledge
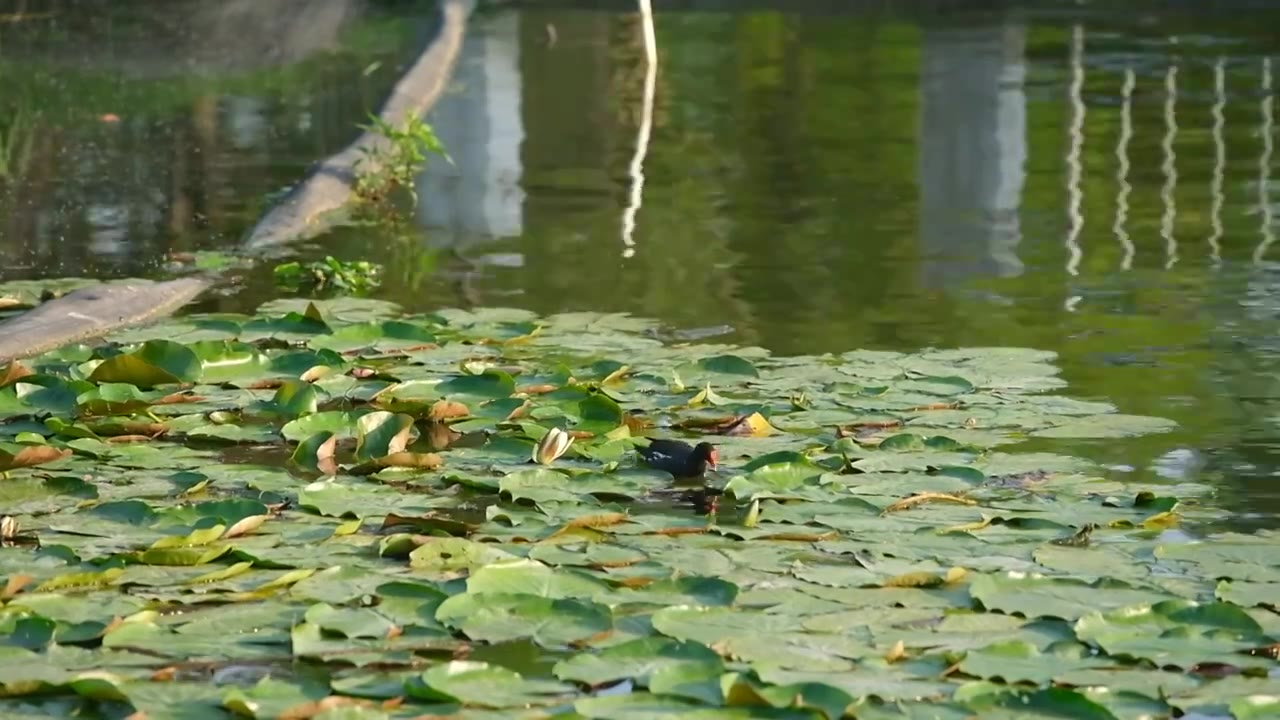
[{"x": 94, "y": 311}]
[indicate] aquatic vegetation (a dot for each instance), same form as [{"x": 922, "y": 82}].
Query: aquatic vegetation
[
  {"x": 394, "y": 164},
  {"x": 329, "y": 509},
  {"x": 357, "y": 277}
]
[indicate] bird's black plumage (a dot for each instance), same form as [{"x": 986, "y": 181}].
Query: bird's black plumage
[{"x": 680, "y": 458}]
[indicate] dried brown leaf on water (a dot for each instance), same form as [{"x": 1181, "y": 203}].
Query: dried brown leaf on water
[
  {"x": 443, "y": 410},
  {"x": 402, "y": 459},
  {"x": 408, "y": 349},
  {"x": 635, "y": 423},
  {"x": 131, "y": 427},
  {"x": 439, "y": 436},
  {"x": 14, "y": 584},
  {"x": 519, "y": 412},
  {"x": 673, "y": 531},
  {"x": 128, "y": 439},
  {"x": 422, "y": 461},
  {"x": 31, "y": 456},
  {"x": 863, "y": 428},
  {"x": 179, "y": 398},
  {"x": 636, "y": 581},
  {"x": 13, "y": 372},
  {"x": 599, "y": 520},
  {"x": 164, "y": 674},
  {"x": 936, "y": 406},
  {"x": 326, "y": 460},
  {"x": 927, "y": 497},
  {"x": 316, "y": 454}
]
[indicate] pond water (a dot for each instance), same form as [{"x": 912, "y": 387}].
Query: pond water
[{"x": 833, "y": 176}]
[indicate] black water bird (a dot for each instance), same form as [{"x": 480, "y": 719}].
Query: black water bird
[{"x": 680, "y": 458}]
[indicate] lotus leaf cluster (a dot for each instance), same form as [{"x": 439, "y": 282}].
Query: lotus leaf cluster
[{"x": 336, "y": 510}]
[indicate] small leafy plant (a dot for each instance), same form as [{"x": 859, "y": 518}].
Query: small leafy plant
[
  {"x": 353, "y": 278},
  {"x": 386, "y": 167}
]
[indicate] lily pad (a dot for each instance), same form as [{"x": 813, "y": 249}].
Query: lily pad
[
  {"x": 861, "y": 549},
  {"x": 483, "y": 685}
]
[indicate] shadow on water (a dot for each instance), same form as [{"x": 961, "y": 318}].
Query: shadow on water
[{"x": 835, "y": 175}]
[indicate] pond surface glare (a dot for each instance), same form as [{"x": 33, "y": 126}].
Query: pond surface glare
[{"x": 804, "y": 176}]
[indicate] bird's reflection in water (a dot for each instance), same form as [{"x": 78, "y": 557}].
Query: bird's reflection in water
[{"x": 702, "y": 500}]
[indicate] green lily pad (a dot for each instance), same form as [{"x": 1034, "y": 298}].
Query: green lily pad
[
  {"x": 1016, "y": 661},
  {"x": 295, "y": 398},
  {"x": 502, "y": 617},
  {"x": 1056, "y": 597},
  {"x": 633, "y": 660},
  {"x": 728, "y": 365},
  {"x": 488, "y": 385},
  {"x": 453, "y": 554},
  {"x": 483, "y": 685},
  {"x": 381, "y": 433},
  {"x": 863, "y": 549},
  {"x": 1176, "y": 633},
  {"x": 141, "y": 369}
]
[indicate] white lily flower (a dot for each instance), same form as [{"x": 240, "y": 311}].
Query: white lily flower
[{"x": 551, "y": 446}]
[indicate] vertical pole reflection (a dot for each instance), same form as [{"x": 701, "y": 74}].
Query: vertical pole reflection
[
  {"x": 646, "y": 127},
  {"x": 1122, "y": 169},
  {"x": 1168, "y": 167},
  {"x": 1074, "y": 192},
  {"x": 1264, "y": 163},
  {"x": 1219, "y": 159}
]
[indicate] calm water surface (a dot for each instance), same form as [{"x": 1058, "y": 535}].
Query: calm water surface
[{"x": 1101, "y": 184}]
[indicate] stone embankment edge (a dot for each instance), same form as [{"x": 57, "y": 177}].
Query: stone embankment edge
[{"x": 94, "y": 311}]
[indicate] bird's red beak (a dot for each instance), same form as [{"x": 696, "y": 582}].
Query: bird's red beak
[{"x": 714, "y": 459}]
